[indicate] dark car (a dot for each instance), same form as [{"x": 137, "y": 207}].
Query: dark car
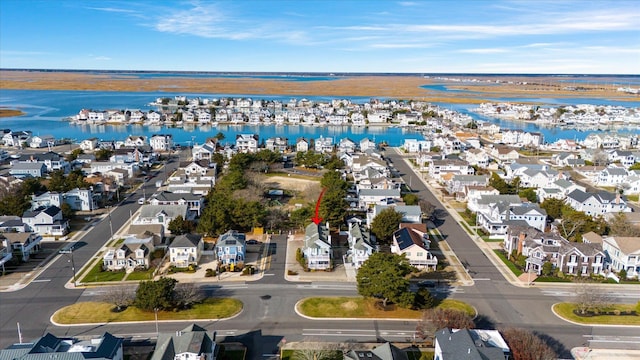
[{"x": 252, "y": 242}]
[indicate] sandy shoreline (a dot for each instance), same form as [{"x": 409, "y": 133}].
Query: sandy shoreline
[{"x": 395, "y": 87}]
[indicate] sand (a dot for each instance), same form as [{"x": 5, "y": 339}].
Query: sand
[{"x": 396, "y": 87}]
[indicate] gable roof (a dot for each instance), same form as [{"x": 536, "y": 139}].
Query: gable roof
[
  {"x": 461, "y": 344},
  {"x": 186, "y": 240},
  {"x": 407, "y": 237},
  {"x": 193, "y": 339}
]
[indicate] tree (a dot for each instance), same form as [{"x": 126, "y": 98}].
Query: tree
[
  {"x": 424, "y": 299},
  {"x": 620, "y": 226},
  {"x": 316, "y": 350},
  {"x": 301, "y": 216},
  {"x": 74, "y": 154},
  {"x": 67, "y": 211},
  {"x": 553, "y": 207},
  {"x": 499, "y": 184},
  {"x": 384, "y": 276},
  {"x": 179, "y": 226},
  {"x": 526, "y": 345},
  {"x": 186, "y": 295},
  {"x": 437, "y": 318},
  {"x": 410, "y": 199},
  {"x": 529, "y": 194},
  {"x": 547, "y": 268},
  {"x": 120, "y": 296},
  {"x": 152, "y": 295},
  {"x": 591, "y": 297},
  {"x": 427, "y": 208},
  {"x": 385, "y": 224},
  {"x": 219, "y": 136},
  {"x": 103, "y": 154}
]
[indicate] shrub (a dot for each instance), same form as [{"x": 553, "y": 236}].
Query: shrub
[
  {"x": 210, "y": 273},
  {"x": 292, "y": 273},
  {"x": 301, "y": 260}
]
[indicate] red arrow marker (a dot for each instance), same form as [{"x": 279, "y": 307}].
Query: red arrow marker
[{"x": 316, "y": 218}]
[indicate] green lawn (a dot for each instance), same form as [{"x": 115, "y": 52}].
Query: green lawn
[
  {"x": 509, "y": 264},
  {"x": 551, "y": 279},
  {"x": 101, "y": 312},
  {"x": 141, "y": 275},
  {"x": 359, "y": 307},
  {"x": 565, "y": 310},
  {"x": 97, "y": 275}
]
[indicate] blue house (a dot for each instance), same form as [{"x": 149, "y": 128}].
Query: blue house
[{"x": 231, "y": 248}]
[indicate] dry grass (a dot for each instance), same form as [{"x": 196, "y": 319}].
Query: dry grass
[
  {"x": 100, "y": 312},
  {"x": 4, "y": 112},
  {"x": 399, "y": 87}
]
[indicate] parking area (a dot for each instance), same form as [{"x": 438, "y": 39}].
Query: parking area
[{"x": 19, "y": 273}]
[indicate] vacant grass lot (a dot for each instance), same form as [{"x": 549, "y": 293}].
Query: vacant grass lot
[
  {"x": 141, "y": 275},
  {"x": 91, "y": 312},
  {"x": 566, "y": 311},
  {"x": 359, "y": 307},
  {"x": 509, "y": 264}
]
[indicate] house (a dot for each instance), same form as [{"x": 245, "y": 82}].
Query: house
[
  {"x": 612, "y": 176},
  {"x": 366, "y": 144},
  {"x": 598, "y": 203},
  {"x": 16, "y": 138},
  {"x": 41, "y": 141},
  {"x": 477, "y": 157},
  {"x": 106, "y": 347},
  {"x": 105, "y": 167},
  {"x": 204, "y": 151},
  {"x": 277, "y": 144},
  {"x": 161, "y": 142},
  {"x": 6, "y": 254},
  {"x": 23, "y": 244},
  {"x": 498, "y": 217},
  {"x": 410, "y": 213},
  {"x": 470, "y": 344},
  {"x": 51, "y": 160},
  {"x": 133, "y": 253},
  {"x": 458, "y": 182},
  {"x": 570, "y": 258},
  {"x": 347, "y": 145},
  {"x": 231, "y": 249},
  {"x": 46, "y": 221},
  {"x": 623, "y": 253},
  {"x": 34, "y": 170},
  {"x": 161, "y": 214},
  {"x": 323, "y": 144},
  {"x": 504, "y": 154},
  {"x": 190, "y": 343},
  {"x": 247, "y": 143},
  {"x": 370, "y": 197},
  {"x": 384, "y": 351},
  {"x": 361, "y": 245},
  {"x": 80, "y": 199},
  {"x": 415, "y": 145},
  {"x": 317, "y": 248},
  {"x": 186, "y": 250},
  {"x": 302, "y": 145},
  {"x": 471, "y": 192},
  {"x": 135, "y": 141},
  {"x": 438, "y": 168},
  {"x": 194, "y": 202},
  {"x": 412, "y": 241}
]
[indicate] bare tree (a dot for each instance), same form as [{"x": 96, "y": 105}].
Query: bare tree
[
  {"x": 120, "y": 296},
  {"x": 314, "y": 350},
  {"x": 620, "y": 226},
  {"x": 436, "y": 318},
  {"x": 589, "y": 296},
  {"x": 187, "y": 294},
  {"x": 525, "y": 345},
  {"x": 600, "y": 157},
  {"x": 427, "y": 208}
]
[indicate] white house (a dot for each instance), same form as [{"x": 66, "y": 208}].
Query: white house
[
  {"x": 161, "y": 214},
  {"x": 133, "y": 253},
  {"x": 161, "y": 142},
  {"x": 186, "y": 250},
  {"x": 302, "y": 145},
  {"x": 247, "y": 143},
  {"x": 23, "y": 244},
  {"x": 46, "y": 221},
  {"x": 361, "y": 245},
  {"x": 412, "y": 240},
  {"x": 599, "y": 203},
  {"x": 623, "y": 253},
  {"x": 317, "y": 250}
]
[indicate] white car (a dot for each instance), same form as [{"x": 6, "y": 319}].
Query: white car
[{"x": 141, "y": 201}]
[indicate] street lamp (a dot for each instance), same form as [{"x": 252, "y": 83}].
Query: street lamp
[
  {"x": 155, "y": 311},
  {"x": 110, "y": 223}
]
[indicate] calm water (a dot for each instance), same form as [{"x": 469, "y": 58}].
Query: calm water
[{"x": 46, "y": 108}]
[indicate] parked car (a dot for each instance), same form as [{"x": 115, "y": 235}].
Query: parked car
[
  {"x": 252, "y": 242},
  {"x": 141, "y": 201}
]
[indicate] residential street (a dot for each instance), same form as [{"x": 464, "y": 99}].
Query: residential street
[{"x": 268, "y": 316}]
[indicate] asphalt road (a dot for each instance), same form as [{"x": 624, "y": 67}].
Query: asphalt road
[
  {"x": 268, "y": 316},
  {"x": 499, "y": 303}
]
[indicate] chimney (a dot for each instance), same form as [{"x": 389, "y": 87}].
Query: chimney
[
  {"x": 617, "y": 198},
  {"x": 521, "y": 238}
]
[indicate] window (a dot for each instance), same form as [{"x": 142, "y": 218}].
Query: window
[{"x": 420, "y": 254}]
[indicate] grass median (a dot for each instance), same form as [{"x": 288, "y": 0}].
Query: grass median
[
  {"x": 359, "y": 307},
  {"x": 100, "y": 312},
  {"x": 608, "y": 316}
]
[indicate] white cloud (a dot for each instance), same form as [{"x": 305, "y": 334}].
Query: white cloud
[
  {"x": 100, "y": 58},
  {"x": 115, "y": 10},
  {"x": 484, "y": 51},
  {"x": 400, "y": 46}
]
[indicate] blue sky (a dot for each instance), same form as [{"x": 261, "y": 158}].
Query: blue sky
[{"x": 555, "y": 36}]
